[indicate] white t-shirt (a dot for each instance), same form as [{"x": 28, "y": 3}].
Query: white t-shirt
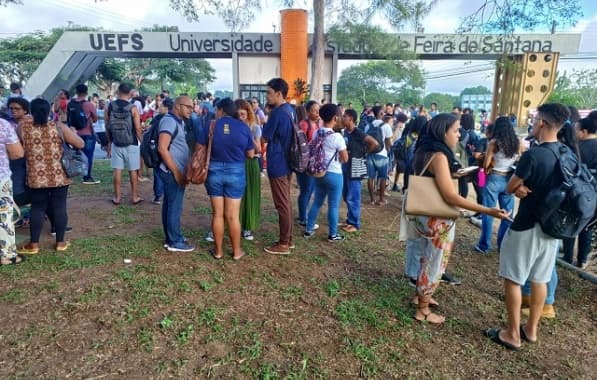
[
  {"x": 387, "y": 133},
  {"x": 332, "y": 144}
]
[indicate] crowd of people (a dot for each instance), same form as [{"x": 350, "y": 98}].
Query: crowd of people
[{"x": 246, "y": 141}]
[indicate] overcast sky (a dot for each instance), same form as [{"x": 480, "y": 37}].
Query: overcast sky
[{"x": 120, "y": 15}]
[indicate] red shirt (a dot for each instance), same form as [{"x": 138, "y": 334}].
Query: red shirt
[
  {"x": 91, "y": 113},
  {"x": 305, "y": 124}
]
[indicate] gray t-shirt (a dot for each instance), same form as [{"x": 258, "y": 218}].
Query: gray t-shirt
[{"x": 178, "y": 147}]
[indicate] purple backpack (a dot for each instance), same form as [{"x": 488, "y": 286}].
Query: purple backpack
[{"x": 317, "y": 167}]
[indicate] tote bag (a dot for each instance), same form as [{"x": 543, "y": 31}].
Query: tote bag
[{"x": 424, "y": 198}]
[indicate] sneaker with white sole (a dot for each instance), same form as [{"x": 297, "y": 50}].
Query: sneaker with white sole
[
  {"x": 315, "y": 226},
  {"x": 335, "y": 238},
  {"x": 248, "y": 235},
  {"x": 180, "y": 247},
  {"x": 308, "y": 234},
  {"x": 476, "y": 221},
  {"x": 210, "y": 237}
]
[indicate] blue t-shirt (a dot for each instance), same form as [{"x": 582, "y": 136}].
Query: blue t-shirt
[
  {"x": 232, "y": 139},
  {"x": 278, "y": 133},
  {"x": 179, "y": 150}
]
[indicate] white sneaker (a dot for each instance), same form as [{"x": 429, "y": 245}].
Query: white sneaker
[
  {"x": 210, "y": 237},
  {"x": 248, "y": 235},
  {"x": 476, "y": 221}
]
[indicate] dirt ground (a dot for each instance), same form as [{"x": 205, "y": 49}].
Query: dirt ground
[{"x": 329, "y": 310}]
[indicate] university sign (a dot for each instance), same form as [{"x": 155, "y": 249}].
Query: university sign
[
  {"x": 77, "y": 55},
  {"x": 423, "y": 45}
]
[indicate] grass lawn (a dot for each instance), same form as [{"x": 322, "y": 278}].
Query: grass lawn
[{"x": 328, "y": 311}]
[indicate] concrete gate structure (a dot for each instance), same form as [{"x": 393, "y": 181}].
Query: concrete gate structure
[{"x": 521, "y": 84}]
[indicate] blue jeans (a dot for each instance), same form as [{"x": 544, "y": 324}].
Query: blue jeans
[
  {"x": 551, "y": 287},
  {"x": 306, "y": 188},
  {"x": 158, "y": 185},
  {"x": 329, "y": 185},
  {"x": 495, "y": 191},
  {"x": 88, "y": 150},
  {"x": 171, "y": 208},
  {"x": 351, "y": 193}
]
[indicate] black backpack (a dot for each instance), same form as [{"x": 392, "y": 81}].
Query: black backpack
[
  {"x": 377, "y": 134},
  {"x": 120, "y": 126},
  {"x": 75, "y": 116},
  {"x": 298, "y": 157},
  {"x": 149, "y": 143},
  {"x": 570, "y": 205}
]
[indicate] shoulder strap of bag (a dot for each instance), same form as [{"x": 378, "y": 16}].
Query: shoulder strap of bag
[
  {"x": 210, "y": 139},
  {"x": 428, "y": 163}
]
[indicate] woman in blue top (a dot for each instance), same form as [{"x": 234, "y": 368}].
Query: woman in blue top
[{"x": 226, "y": 178}]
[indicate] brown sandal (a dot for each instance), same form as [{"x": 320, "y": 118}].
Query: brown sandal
[{"x": 420, "y": 315}]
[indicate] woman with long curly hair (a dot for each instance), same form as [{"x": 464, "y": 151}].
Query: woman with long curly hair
[
  {"x": 502, "y": 152},
  {"x": 250, "y": 205}
]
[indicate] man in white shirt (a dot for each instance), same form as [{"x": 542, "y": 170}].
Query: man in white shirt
[{"x": 377, "y": 162}]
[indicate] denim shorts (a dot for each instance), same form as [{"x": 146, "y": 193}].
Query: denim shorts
[
  {"x": 226, "y": 179},
  {"x": 377, "y": 166}
]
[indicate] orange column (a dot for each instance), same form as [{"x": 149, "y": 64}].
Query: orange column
[{"x": 294, "y": 50}]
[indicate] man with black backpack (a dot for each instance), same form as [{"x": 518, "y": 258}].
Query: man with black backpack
[
  {"x": 123, "y": 131},
  {"x": 377, "y": 160},
  {"x": 81, "y": 114},
  {"x": 527, "y": 251}
]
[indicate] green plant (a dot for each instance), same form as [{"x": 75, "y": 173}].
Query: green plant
[
  {"x": 145, "y": 339},
  {"x": 184, "y": 335},
  {"x": 166, "y": 323},
  {"x": 332, "y": 288}
]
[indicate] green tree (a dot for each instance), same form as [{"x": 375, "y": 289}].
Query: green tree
[
  {"x": 576, "y": 89},
  {"x": 381, "y": 81},
  {"x": 478, "y": 90},
  {"x": 445, "y": 102},
  {"x": 20, "y": 57},
  {"x": 509, "y": 16}
]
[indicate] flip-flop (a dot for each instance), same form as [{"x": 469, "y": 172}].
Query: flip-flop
[
  {"x": 523, "y": 336},
  {"x": 213, "y": 254},
  {"x": 236, "y": 258},
  {"x": 138, "y": 201},
  {"x": 13, "y": 260},
  {"x": 115, "y": 202},
  {"x": 494, "y": 335}
]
